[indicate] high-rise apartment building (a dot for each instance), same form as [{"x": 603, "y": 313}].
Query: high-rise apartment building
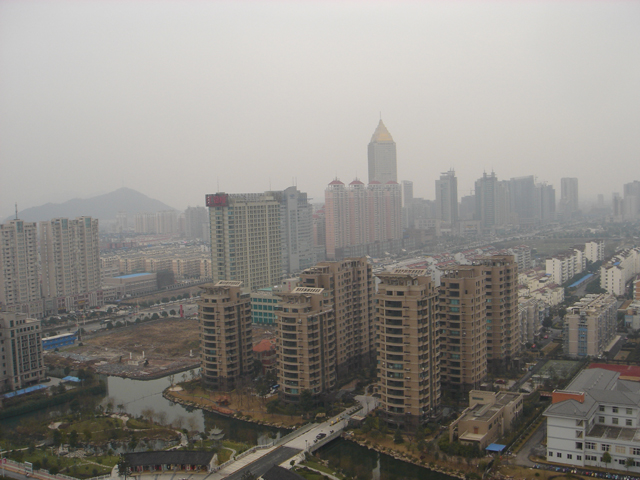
[
  {"x": 306, "y": 342},
  {"x": 358, "y": 217},
  {"x": 503, "y": 328},
  {"x": 245, "y": 238},
  {"x": 463, "y": 321},
  {"x": 196, "y": 223},
  {"x": 590, "y": 325},
  {"x": 569, "y": 196},
  {"x": 493, "y": 204},
  {"x": 296, "y": 217},
  {"x": 407, "y": 204},
  {"x": 19, "y": 281},
  {"x": 407, "y": 348},
  {"x": 545, "y": 203},
  {"x": 523, "y": 199},
  {"x": 22, "y": 353},
  {"x": 350, "y": 284},
  {"x": 70, "y": 257},
  {"x": 447, "y": 197},
  {"x": 226, "y": 343},
  {"x": 382, "y": 156},
  {"x": 630, "y": 203}
]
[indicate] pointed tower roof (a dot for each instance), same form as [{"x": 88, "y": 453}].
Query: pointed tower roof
[{"x": 381, "y": 134}]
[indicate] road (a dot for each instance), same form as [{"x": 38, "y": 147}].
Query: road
[
  {"x": 522, "y": 458},
  {"x": 260, "y": 466}
]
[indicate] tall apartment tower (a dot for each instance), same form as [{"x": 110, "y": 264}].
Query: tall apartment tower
[
  {"x": 245, "y": 238},
  {"x": 493, "y": 204},
  {"x": 196, "y": 223},
  {"x": 462, "y": 317},
  {"x": 350, "y": 284},
  {"x": 306, "y": 342},
  {"x": 569, "y": 196},
  {"x": 407, "y": 204},
  {"x": 447, "y": 197},
  {"x": 70, "y": 257},
  {"x": 296, "y": 217},
  {"x": 523, "y": 198},
  {"x": 545, "y": 203},
  {"x": 19, "y": 281},
  {"x": 503, "y": 328},
  {"x": 226, "y": 343},
  {"x": 408, "y": 348},
  {"x": 22, "y": 354},
  {"x": 382, "y": 156}
]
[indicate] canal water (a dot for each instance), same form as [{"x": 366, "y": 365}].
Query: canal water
[{"x": 357, "y": 461}]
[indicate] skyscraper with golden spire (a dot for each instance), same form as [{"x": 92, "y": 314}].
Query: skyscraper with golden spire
[{"x": 382, "y": 156}]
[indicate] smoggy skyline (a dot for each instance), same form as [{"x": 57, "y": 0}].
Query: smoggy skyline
[{"x": 179, "y": 99}]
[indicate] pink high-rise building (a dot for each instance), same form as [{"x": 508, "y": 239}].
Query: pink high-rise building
[{"x": 359, "y": 215}]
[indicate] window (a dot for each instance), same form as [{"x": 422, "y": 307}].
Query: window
[
  {"x": 615, "y": 409},
  {"x": 559, "y": 455},
  {"x": 602, "y": 408},
  {"x": 615, "y": 420},
  {"x": 578, "y": 445},
  {"x": 629, "y": 422},
  {"x": 590, "y": 446},
  {"x": 600, "y": 419},
  {"x": 629, "y": 411},
  {"x": 578, "y": 457},
  {"x": 605, "y": 447},
  {"x": 569, "y": 456},
  {"x": 551, "y": 454},
  {"x": 591, "y": 458},
  {"x": 635, "y": 451},
  {"x": 621, "y": 449}
]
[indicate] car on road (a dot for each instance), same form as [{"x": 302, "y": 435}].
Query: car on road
[{"x": 321, "y": 436}]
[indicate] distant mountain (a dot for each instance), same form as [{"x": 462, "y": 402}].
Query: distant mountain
[{"x": 103, "y": 207}]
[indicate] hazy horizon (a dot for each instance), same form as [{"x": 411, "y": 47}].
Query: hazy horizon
[{"x": 180, "y": 99}]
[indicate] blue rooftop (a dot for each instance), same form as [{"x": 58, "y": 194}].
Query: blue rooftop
[
  {"x": 69, "y": 378},
  {"x": 495, "y": 447},
  {"x": 132, "y": 275},
  {"x": 575, "y": 284},
  {"x": 24, "y": 390}
]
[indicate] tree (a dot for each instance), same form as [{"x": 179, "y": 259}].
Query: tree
[
  {"x": 172, "y": 312},
  {"x": 124, "y": 466},
  {"x": 306, "y": 400},
  {"x": 57, "y": 437},
  {"x": 397, "y": 437},
  {"x": 155, "y": 316},
  {"x": 165, "y": 314},
  {"x": 87, "y": 435},
  {"x": 73, "y": 439},
  {"x": 606, "y": 458},
  {"x": 630, "y": 462}
]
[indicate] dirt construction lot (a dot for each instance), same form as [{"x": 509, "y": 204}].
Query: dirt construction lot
[{"x": 144, "y": 350}]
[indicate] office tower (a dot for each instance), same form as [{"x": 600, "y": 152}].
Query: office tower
[
  {"x": 503, "y": 330},
  {"x": 447, "y": 197},
  {"x": 22, "y": 354},
  {"x": 545, "y": 203},
  {"x": 462, "y": 318},
  {"x": 306, "y": 342},
  {"x": 296, "y": 217},
  {"x": 407, "y": 204},
  {"x": 226, "y": 343},
  {"x": 408, "y": 348},
  {"x": 382, "y": 156},
  {"x": 631, "y": 200},
  {"x": 486, "y": 208},
  {"x": 523, "y": 199},
  {"x": 19, "y": 282},
  {"x": 360, "y": 217},
  {"x": 70, "y": 256},
  {"x": 245, "y": 238},
  {"x": 569, "y": 196},
  {"x": 590, "y": 325},
  {"x": 196, "y": 223},
  {"x": 350, "y": 284}
]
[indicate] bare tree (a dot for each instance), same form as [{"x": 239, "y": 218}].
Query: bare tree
[
  {"x": 162, "y": 417},
  {"x": 191, "y": 424},
  {"x": 179, "y": 422}
]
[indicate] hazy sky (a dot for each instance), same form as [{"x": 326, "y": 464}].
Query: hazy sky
[{"x": 173, "y": 98}]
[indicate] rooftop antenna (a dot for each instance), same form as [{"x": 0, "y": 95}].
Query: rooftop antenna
[
  {"x": 380, "y": 115},
  {"x": 16, "y": 210}
]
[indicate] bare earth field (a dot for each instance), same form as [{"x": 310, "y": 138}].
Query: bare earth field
[{"x": 146, "y": 350}]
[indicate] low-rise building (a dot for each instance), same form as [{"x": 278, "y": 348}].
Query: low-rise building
[
  {"x": 619, "y": 270},
  {"x": 134, "y": 284},
  {"x": 595, "y": 422},
  {"x": 489, "y": 416}
]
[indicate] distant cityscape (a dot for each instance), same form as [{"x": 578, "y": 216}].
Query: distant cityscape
[{"x": 430, "y": 295}]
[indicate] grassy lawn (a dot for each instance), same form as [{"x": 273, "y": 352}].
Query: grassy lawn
[
  {"x": 319, "y": 466},
  {"x": 238, "y": 447},
  {"x": 75, "y": 467}
]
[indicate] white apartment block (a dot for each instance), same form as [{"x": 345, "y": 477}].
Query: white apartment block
[
  {"x": 70, "y": 257},
  {"x": 594, "y": 250},
  {"x": 590, "y": 325},
  {"x": 598, "y": 413},
  {"x": 245, "y": 238},
  {"x": 622, "y": 268},
  {"x": 22, "y": 354},
  {"x": 531, "y": 314},
  {"x": 564, "y": 266},
  {"x": 19, "y": 281}
]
